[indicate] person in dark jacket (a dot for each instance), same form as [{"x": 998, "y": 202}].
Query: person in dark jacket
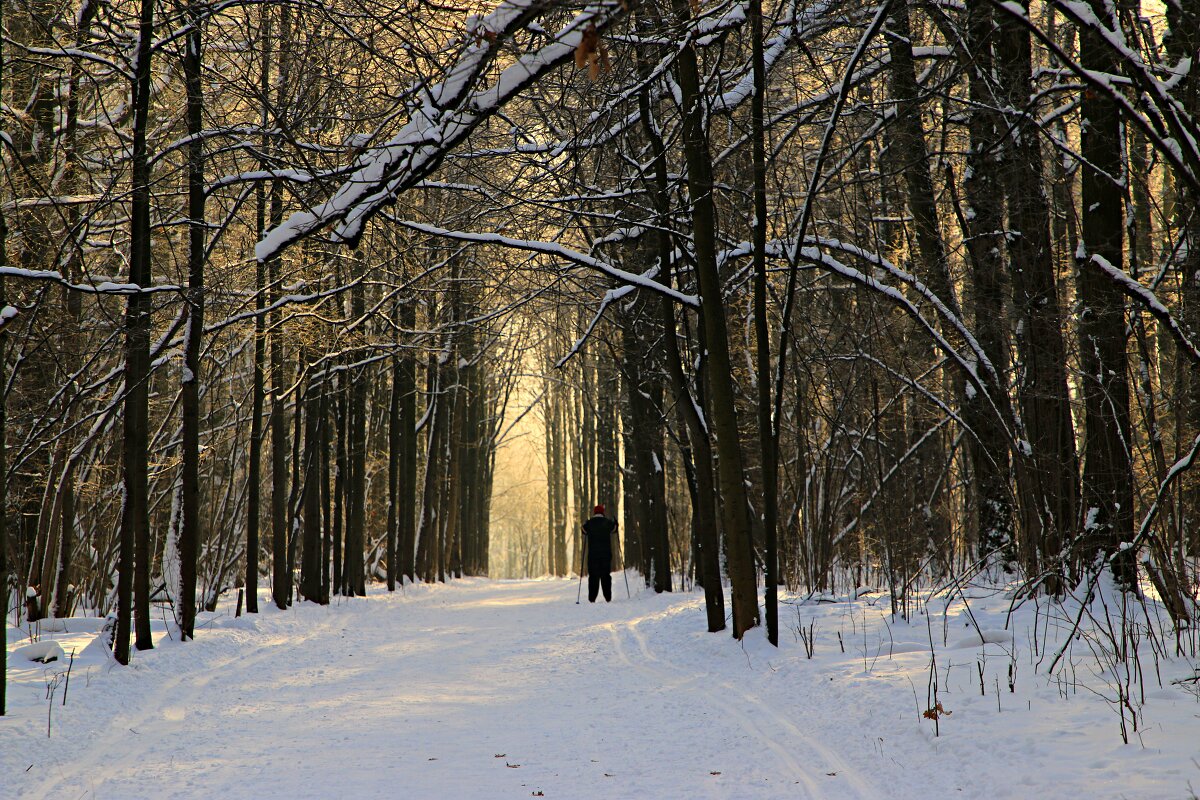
[{"x": 599, "y": 530}]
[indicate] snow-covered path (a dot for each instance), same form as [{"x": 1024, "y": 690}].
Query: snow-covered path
[
  {"x": 477, "y": 689},
  {"x": 482, "y": 689}
]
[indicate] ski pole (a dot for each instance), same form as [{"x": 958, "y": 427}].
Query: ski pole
[{"x": 582, "y": 561}]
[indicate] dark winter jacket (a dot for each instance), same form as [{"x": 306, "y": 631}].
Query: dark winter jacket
[{"x": 599, "y": 530}]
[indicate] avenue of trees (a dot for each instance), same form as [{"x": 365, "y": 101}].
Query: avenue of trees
[{"x": 813, "y": 295}]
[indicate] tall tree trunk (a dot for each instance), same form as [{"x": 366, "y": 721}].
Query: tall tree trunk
[
  {"x": 339, "y": 485},
  {"x": 190, "y": 533},
  {"x": 474, "y": 543},
  {"x": 393, "y": 470},
  {"x": 556, "y": 477},
  {"x": 44, "y": 560},
  {"x": 633, "y": 508},
  {"x": 1050, "y": 497},
  {"x": 1104, "y": 381},
  {"x": 357, "y": 455},
  {"x": 704, "y": 509},
  {"x": 584, "y": 421},
  {"x": 575, "y": 423},
  {"x": 492, "y": 419},
  {"x": 67, "y": 533},
  {"x": 4, "y": 589},
  {"x": 452, "y": 489},
  {"x": 428, "y": 519},
  {"x": 468, "y": 474},
  {"x": 257, "y": 391},
  {"x": 277, "y": 424},
  {"x": 281, "y": 585},
  {"x": 983, "y": 413},
  {"x": 561, "y": 399},
  {"x": 767, "y": 434},
  {"x": 930, "y": 260},
  {"x": 133, "y": 576},
  {"x": 442, "y": 462},
  {"x": 296, "y": 481},
  {"x": 608, "y": 429},
  {"x": 645, "y": 460},
  {"x": 983, "y": 230},
  {"x": 478, "y": 471},
  {"x": 328, "y": 387},
  {"x": 551, "y": 478},
  {"x": 71, "y": 182},
  {"x": 310, "y": 558},
  {"x": 407, "y": 481},
  {"x": 731, "y": 472},
  {"x": 254, "y": 468},
  {"x": 454, "y": 472}
]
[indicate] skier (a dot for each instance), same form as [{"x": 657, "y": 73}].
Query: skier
[{"x": 598, "y": 546}]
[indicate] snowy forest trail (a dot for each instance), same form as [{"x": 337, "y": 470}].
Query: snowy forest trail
[
  {"x": 509, "y": 689},
  {"x": 476, "y": 689},
  {"x": 479, "y": 689}
]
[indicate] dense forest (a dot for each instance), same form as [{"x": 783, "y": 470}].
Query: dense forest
[{"x": 808, "y": 293}]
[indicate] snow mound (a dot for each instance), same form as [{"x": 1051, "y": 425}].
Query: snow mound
[
  {"x": 100, "y": 646},
  {"x": 982, "y": 637},
  {"x": 43, "y": 652},
  {"x": 70, "y": 624},
  {"x": 245, "y": 623}
]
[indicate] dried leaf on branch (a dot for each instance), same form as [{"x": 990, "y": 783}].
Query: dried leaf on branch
[{"x": 592, "y": 53}]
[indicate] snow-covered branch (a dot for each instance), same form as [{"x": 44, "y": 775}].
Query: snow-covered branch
[
  {"x": 637, "y": 280},
  {"x": 103, "y": 287},
  {"x": 450, "y": 111}
]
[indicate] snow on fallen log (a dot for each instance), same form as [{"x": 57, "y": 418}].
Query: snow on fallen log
[{"x": 42, "y": 652}]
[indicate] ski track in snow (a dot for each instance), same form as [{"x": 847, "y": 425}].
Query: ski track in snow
[
  {"x": 504, "y": 689},
  {"x": 759, "y": 723}
]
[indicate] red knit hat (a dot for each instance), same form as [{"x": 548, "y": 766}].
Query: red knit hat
[{"x": 598, "y": 511}]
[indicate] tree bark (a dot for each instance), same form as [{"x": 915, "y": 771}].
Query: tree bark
[
  {"x": 731, "y": 473},
  {"x": 1050, "y": 497},
  {"x": 608, "y": 428},
  {"x": 310, "y": 554},
  {"x": 768, "y": 435},
  {"x": 328, "y": 387},
  {"x": 257, "y": 391},
  {"x": 393, "y": 473},
  {"x": 645, "y": 460},
  {"x": 281, "y": 585},
  {"x": 133, "y": 576},
  {"x": 983, "y": 231},
  {"x": 190, "y": 534},
  {"x": 696, "y": 443},
  {"x": 339, "y": 484},
  {"x": 427, "y": 525},
  {"x": 4, "y": 593},
  {"x": 407, "y": 482},
  {"x": 1104, "y": 381},
  {"x": 357, "y": 456}
]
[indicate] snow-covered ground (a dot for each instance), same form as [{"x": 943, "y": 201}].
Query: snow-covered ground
[{"x": 508, "y": 689}]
